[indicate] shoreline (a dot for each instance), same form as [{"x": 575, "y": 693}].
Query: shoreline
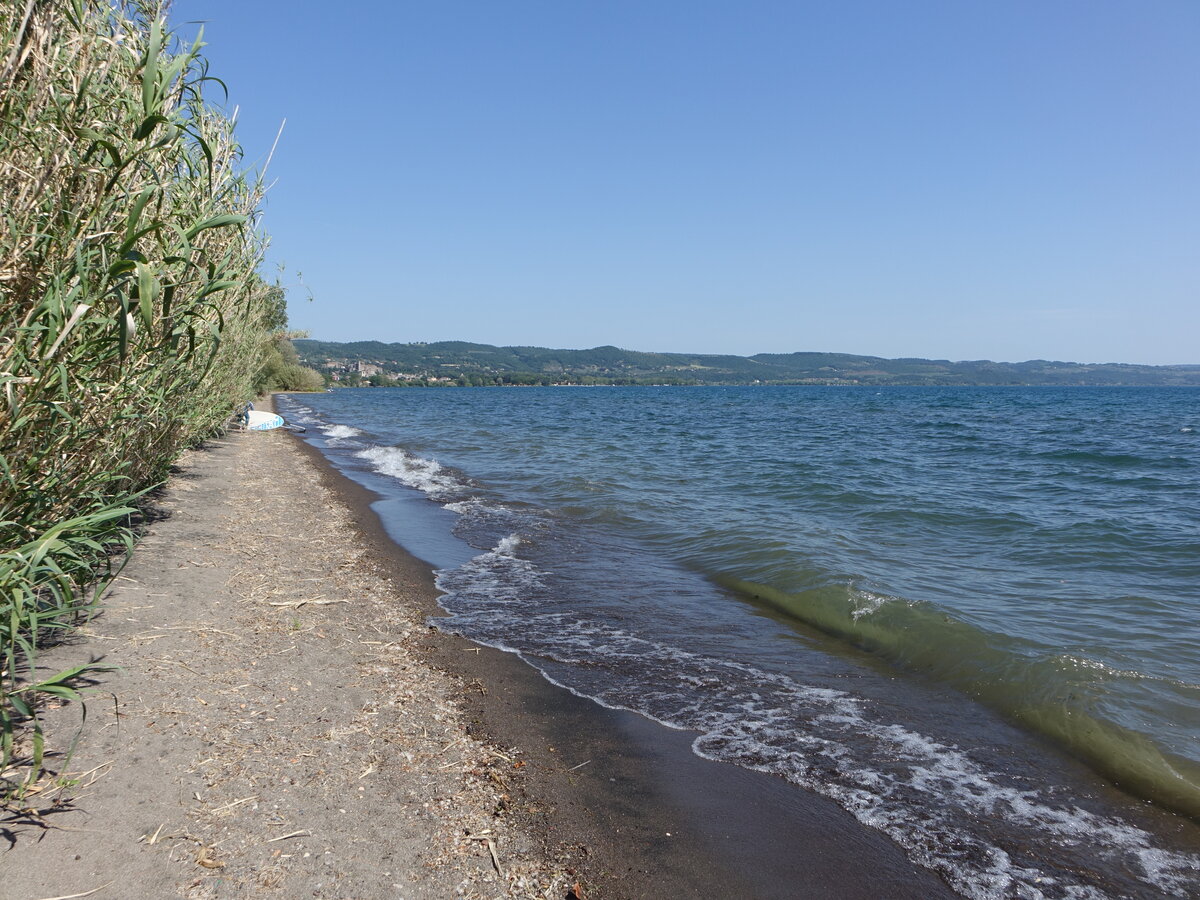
[
  {"x": 268, "y": 726},
  {"x": 654, "y": 817},
  {"x": 284, "y": 722}
]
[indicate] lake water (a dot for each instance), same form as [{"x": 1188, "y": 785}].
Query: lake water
[{"x": 969, "y": 616}]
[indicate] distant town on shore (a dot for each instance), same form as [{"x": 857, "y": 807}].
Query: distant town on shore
[{"x": 449, "y": 363}]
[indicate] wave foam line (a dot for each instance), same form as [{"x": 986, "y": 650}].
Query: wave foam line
[
  {"x": 426, "y": 475},
  {"x": 341, "y": 432},
  {"x": 931, "y": 799},
  {"x": 1036, "y": 692}
]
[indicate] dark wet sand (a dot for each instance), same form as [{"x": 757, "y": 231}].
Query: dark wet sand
[{"x": 656, "y": 820}]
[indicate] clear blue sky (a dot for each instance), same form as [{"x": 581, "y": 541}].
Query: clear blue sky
[{"x": 941, "y": 178}]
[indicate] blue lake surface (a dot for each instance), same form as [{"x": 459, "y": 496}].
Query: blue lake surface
[{"x": 944, "y": 608}]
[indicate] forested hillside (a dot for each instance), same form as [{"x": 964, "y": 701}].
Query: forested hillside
[{"x": 459, "y": 362}]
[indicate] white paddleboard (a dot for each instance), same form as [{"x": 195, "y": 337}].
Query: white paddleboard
[{"x": 260, "y": 420}]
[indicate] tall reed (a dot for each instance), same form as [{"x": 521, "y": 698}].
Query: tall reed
[{"x": 132, "y": 319}]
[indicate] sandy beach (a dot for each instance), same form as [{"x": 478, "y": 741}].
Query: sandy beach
[
  {"x": 271, "y": 726},
  {"x": 283, "y": 721}
]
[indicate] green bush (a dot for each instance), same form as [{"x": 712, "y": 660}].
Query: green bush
[{"x": 281, "y": 369}]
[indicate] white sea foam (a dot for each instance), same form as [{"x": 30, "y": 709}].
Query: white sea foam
[
  {"x": 483, "y": 519},
  {"x": 298, "y": 411},
  {"x": 508, "y": 546},
  {"x": 498, "y": 576},
  {"x": 425, "y": 475},
  {"x": 297, "y": 405},
  {"x": 340, "y": 432},
  {"x": 933, "y": 799},
  {"x": 866, "y": 602}
]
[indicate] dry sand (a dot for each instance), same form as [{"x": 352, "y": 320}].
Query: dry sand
[{"x": 272, "y": 729}]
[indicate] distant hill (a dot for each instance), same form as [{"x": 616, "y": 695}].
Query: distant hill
[{"x": 464, "y": 363}]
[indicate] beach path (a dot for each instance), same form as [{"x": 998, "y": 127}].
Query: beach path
[{"x": 271, "y": 728}]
